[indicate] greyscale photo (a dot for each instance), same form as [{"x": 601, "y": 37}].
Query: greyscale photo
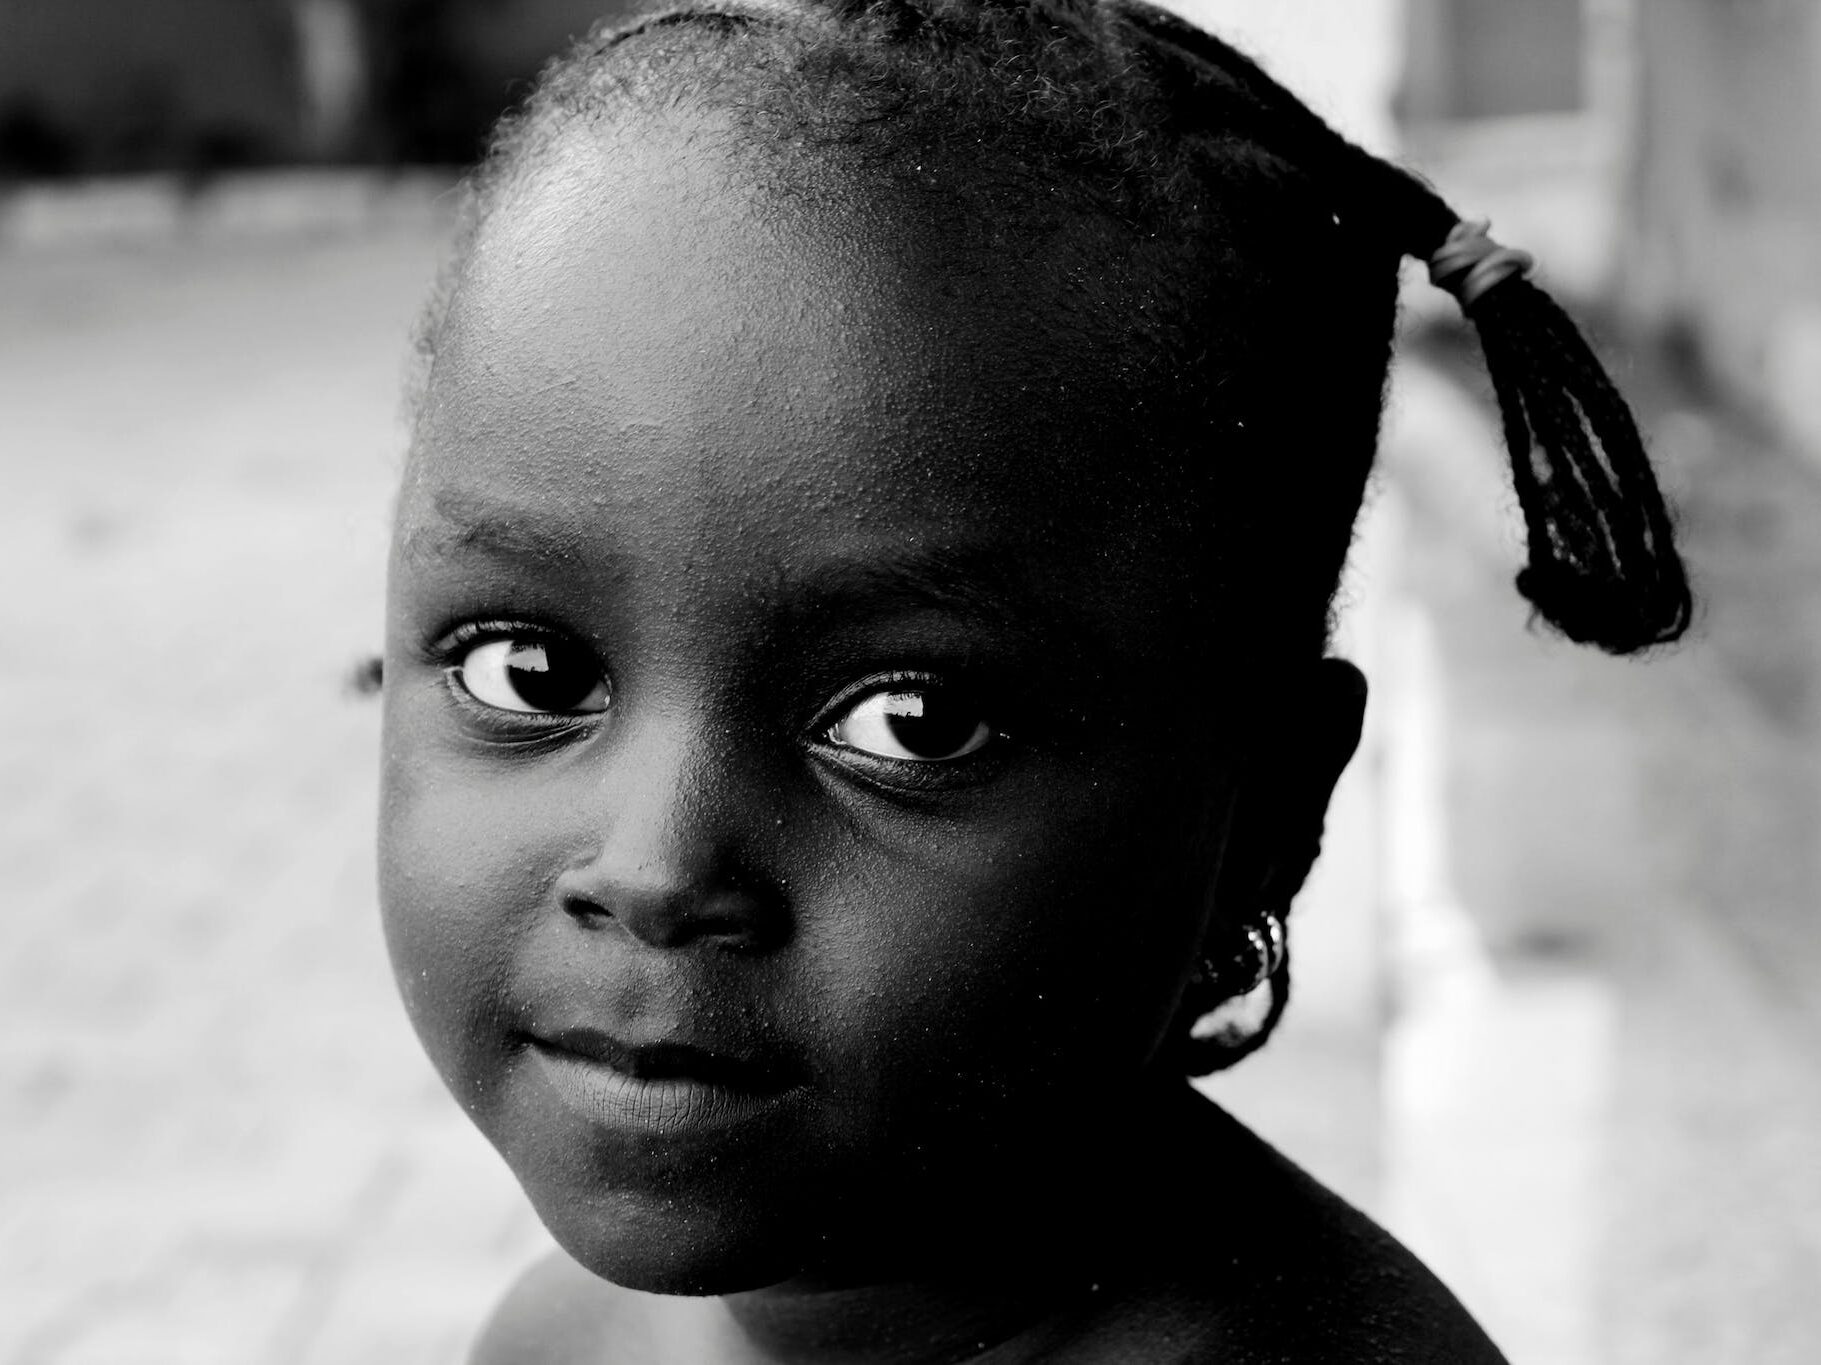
[{"x": 903, "y": 682}]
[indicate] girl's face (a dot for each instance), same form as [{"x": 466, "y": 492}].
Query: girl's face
[{"x": 795, "y": 788}]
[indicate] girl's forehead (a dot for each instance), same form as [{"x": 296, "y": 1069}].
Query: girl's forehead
[{"x": 645, "y": 312}]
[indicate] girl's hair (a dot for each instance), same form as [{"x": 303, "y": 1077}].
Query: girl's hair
[{"x": 1233, "y": 260}]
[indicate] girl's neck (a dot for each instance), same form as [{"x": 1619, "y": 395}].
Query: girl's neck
[
  {"x": 904, "y": 1323},
  {"x": 1016, "y": 1257}
]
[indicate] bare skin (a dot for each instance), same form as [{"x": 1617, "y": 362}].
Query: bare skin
[
  {"x": 811, "y": 774},
  {"x": 1283, "y": 1271}
]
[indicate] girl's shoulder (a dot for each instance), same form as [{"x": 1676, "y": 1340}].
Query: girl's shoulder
[
  {"x": 1388, "y": 1317},
  {"x": 1265, "y": 1263}
]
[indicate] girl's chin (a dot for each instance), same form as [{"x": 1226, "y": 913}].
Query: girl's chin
[{"x": 657, "y": 1246}]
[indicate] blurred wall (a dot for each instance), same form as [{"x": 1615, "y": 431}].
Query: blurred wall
[
  {"x": 1341, "y": 56},
  {"x": 1488, "y": 58},
  {"x": 108, "y": 85},
  {"x": 1722, "y": 231},
  {"x": 1518, "y": 112}
]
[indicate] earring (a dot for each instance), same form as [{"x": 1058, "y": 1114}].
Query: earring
[
  {"x": 1255, "y": 959},
  {"x": 1234, "y": 983}
]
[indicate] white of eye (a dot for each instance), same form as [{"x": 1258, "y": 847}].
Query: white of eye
[
  {"x": 533, "y": 677},
  {"x": 914, "y": 727}
]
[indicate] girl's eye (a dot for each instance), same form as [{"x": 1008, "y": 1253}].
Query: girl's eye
[
  {"x": 534, "y": 676},
  {"x": 925, "y": 726}
]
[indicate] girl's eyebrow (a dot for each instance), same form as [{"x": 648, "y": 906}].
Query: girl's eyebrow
[
  {"x": 983, "y": 581},
  {"x": 464, "y": 523},
  {"x": 973, "y": 578},
  {"x": 978, "y": 582},
  {"x": 969, "y": 581}
]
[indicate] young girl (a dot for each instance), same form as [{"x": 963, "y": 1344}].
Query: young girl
[{"x": 856, "y": 714}]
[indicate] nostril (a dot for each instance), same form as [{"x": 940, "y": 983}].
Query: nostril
[
  {"x": 585, "y": 912},
  {"x": 732, "y": 917},
  {"x": 751, "y": 922}
]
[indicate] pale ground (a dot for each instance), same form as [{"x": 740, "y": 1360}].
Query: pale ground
[
  {"x": 221, "y": 1143},
  {"x": 1583, "y": 893}
]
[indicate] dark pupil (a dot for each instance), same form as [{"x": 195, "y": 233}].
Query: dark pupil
[
  {"x": 930, "y": 725},
  {"x": 551, "y": 676}
]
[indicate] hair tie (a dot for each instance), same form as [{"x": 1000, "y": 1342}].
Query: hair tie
[{"x": 1469, "y": 262}]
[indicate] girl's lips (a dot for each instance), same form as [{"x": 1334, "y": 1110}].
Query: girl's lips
[
  {"x": 663, "y": 1060},
  {"x": 660, "y": 1089}
]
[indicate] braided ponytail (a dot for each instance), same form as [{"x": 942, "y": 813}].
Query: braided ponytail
[{"x": 1603, "y": 567}]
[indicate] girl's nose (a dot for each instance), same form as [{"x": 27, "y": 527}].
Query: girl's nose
[{"x": 674, "y": 861}]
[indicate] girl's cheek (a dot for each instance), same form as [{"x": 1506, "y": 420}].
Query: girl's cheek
[
  {"x": 457, "y": 882},
  {"x": 1016, "y": 952}
]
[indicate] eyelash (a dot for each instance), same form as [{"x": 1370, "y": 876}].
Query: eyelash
[
  {"x": 525, "y": 727},
  {"x": 448, "y": 642},
  {"x": 907, "y": 774},
  {"x": 455, "y": 645}
]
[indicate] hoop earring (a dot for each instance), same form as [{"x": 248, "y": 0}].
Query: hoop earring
[
  {"x": 1255, "y": 959},
  {"x": 1234, "y": 982}
]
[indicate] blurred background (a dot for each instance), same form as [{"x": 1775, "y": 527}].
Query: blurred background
[{"x": 1558, "y": 1020}]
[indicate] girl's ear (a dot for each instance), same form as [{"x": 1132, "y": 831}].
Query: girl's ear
[
  {"x": 366, "y": 677},
  {"x": 1308, "y": 735},
  {"x": 1284, "y": 792}
]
